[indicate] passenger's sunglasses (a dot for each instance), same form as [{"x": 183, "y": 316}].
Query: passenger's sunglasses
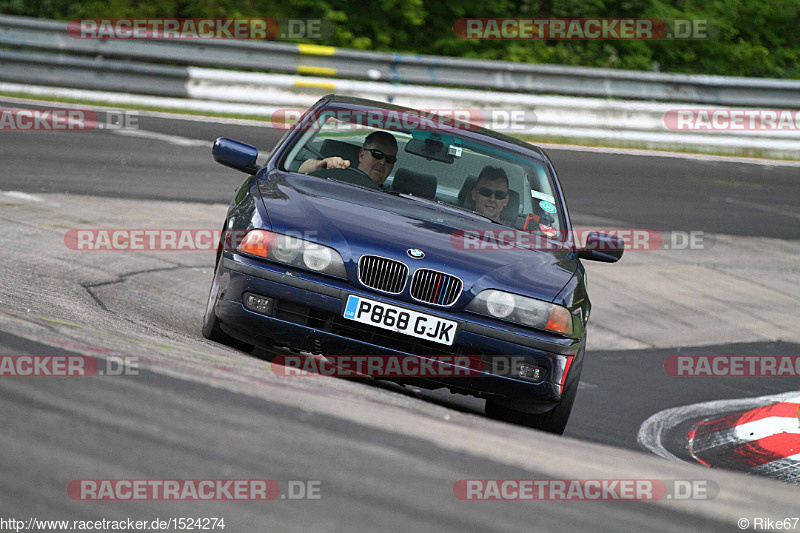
[
  {"x": 487, "y": 192},
  {"x": 377, "y": 154}
]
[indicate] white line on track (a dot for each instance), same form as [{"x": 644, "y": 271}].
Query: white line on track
[
  {"x": 171, "y": 139},
  {"x": 22, "y": 196},
  {"x": 145, "y": 134}
]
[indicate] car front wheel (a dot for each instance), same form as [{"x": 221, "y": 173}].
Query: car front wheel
[
  {"x": 553, "y": 421},
  {"x": 211, "y": 324}
]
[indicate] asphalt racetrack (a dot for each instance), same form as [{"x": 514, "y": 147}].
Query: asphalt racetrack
[{"x": 374, "y": 455}]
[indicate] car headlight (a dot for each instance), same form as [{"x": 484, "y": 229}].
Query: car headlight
[
  {"x": 286, "y": 249},
  {"x": 499, "y": 304},
  {"x": 293, "y": 251},
  {"x": 317, "y": 257},
  {"x": 522, "y": 310}
]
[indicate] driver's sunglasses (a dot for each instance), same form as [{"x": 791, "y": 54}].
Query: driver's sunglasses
[
  {"x": 487, "y": 192},
  {"x": 377, "y": 154}
]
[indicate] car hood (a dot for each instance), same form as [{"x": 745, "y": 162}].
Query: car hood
[{"x": 357, "y": 221}]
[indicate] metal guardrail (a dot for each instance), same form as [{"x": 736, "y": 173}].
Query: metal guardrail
[
  {"x": 530, "y": 111},
  {"x": 413, "y": 69},
  {"x": 86, "y": 73}
]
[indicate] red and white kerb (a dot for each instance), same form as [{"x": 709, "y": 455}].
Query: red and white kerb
[{"x": 764, "y": 440}]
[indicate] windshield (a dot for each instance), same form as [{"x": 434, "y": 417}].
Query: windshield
[{"x": 432, "y": 165}]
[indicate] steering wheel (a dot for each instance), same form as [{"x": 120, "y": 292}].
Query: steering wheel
[{"x": 346, "y": 175}]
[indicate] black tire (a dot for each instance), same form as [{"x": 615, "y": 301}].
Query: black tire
[
  {"x": 553, "y": 421},
  {"x": 211, "y": 324}
]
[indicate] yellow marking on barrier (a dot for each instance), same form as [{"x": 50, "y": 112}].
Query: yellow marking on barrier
[
  {"x": 316, "y": 49},
  {"x": 319, "y": 71},
  {"x": 317, "y": 84}
]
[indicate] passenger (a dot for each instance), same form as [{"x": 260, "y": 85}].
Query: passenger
[
  {"x": 376, "y": 158},
  {"x": 491, "y": 192}
]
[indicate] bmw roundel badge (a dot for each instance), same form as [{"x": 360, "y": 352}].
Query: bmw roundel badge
[{"x": 414, "y": 253}]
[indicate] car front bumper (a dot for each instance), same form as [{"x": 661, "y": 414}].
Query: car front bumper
[{"x": 307, "y": 311}]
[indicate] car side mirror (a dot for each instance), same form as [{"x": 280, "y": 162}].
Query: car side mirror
[
  {"x": 235, "y": 154},
  {"x": 602, "y": 247}
]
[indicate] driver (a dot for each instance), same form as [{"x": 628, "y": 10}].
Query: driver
[
  {"x": 375, "y": 159},
  {"x": 491, "y": 192}
]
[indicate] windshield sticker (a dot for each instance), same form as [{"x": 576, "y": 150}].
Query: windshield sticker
[
  {"x": 543, "y": 196},
  {"x": 547, "y": 230},
  {"x": 547, "y": 206}
]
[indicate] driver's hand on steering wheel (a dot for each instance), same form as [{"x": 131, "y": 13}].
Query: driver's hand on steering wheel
[
  {"x": 312, "y": 165},
  {"x": 334, "y": 162}
]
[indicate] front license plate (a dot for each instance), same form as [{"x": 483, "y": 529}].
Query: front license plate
[{"x": 404, "y": 321}]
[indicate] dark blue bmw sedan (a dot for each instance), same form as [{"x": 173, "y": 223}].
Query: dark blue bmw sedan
[{"x": 374, "y": 230}]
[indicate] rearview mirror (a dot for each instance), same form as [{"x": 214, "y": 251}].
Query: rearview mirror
[
  {"x": 236, "y": 155},
  {"x": 602, "y": 247},
  {"x": 431, "y": 149}
]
